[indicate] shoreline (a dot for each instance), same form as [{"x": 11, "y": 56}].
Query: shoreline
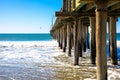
[
  {"x": 113, "y": 70},
  {"x": 46, "y": 57}
]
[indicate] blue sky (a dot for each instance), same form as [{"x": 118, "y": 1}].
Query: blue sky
[{"x": 29, "y": 16}]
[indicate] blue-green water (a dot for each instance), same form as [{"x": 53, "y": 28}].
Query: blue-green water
[
  {"x": 33, "y": 37},
  {"x": 25, "y": 37},
  {"x": 117, "y": 36},
  {"x": 44, "y": 37}
]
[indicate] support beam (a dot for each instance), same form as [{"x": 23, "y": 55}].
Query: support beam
[
  {"x": 80, "y": 37},
  {"x": 61, "y": 38},
  {"x": 111, "y": 3},
  {"x": 113, "y": 47},
  {"x": 109, "y": 36},
  {"x": 76, "y": 54},
  {"x": 73, "y": 4},
  {"x": 76, "y": 14},
  {"x": 89, "y": 6},
  {"x": 87, "y": 32},
  {"x": 115, "y": 7},
  {"x": 64, "y": 5},
  {"x": 101, "y": 20},
  {"x": 84, "y": 37},
  {"x": 69, "y": 5},
  {"x": 92, "y": 40},
  {"x": 64, "y": 37},
  {"x": 69, "y": 38}
]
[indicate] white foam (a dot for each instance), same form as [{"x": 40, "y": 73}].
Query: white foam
[
  {"x": 28, "y": 51},
  {"x": 37, "y": 51}
]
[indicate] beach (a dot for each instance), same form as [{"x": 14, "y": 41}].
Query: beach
[{"x": 44, "y": 60}]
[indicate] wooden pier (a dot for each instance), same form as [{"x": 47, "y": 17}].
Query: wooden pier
[{"x": 71, "y": 30}]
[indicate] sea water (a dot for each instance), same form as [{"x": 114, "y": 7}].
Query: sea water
[
  {"x": 25, "y": 37},
  {"x": 38, "y": 57}
]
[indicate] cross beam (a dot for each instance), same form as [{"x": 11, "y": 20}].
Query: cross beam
[{"x": 76, "y": 14}]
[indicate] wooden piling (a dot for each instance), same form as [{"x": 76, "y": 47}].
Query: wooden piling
[
  {"x": 101, "y": 20},
  {"x": 80, "y": 38},
  {"x": 87, "y": 32},
  {"x": 83, "y": 38},
  {"x": 113, "y": 48},
  {"x": 69, "y": 38},
  {"x": 61, "y": 38},
  {"x": 109, "y": 36},
  {"x": 64, "y": 37},
  {"x": 76, "y": 54},
  {"x": 92, "y": 40},
  {"x": 63, "y": 6}
]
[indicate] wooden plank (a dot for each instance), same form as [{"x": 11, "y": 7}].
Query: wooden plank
[
  {"x": 115, "y": 7},
  {"x": 90, "y": 6},
  {"x": 79, "y": 6},
  {"x": 111, "y": 3}
]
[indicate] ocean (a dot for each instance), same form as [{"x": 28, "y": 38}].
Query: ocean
[
  {"x": 34, "y": 37},
  {"x": 38, "y": 57},
  {"x": 25, "y": 37}
]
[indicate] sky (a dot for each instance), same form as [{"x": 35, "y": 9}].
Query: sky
[{"x": 29, "y": 16}]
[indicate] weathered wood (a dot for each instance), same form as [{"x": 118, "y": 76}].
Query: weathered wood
[
  {"x": 115, "y": 7},
  {"x": 69, "y": 5},
  {"x": 85, "y": 41},
  {"x": 76, "y": 55},
  {"x": 64, "y": 5},
  {"x": 80, "y": 38},
  {"x": 83, "y": 38},
  {"x": 113, "y": 48},
  {"x": 68, "y": 14},
  {"x": 111, "y": 3},
  {"x": 92, "y": 40},
  {"x": 76, "y": 14},
  {"x": 72, "y": 36},
  {"x": 61, "y": 38},
  {"x": 73, "y": 4},
  {"x": 87, "y": 32},
  {"x": 89, "y": 6},
  {"x": 109, "y": 36},
  {"x": 64, "y": 37},
  {"x": 101, "y": 20},
  {"x": 69, "y": 38}
]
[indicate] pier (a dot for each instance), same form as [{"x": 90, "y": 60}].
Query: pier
[{"x": 71, "y": 30}]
